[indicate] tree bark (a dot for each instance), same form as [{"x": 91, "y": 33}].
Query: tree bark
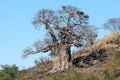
[{"x": 62, "y": 60}]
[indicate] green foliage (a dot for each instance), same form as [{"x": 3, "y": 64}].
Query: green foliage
[
  {"x": 76, "y": 76},
  {"x": 73, "y": 75},
  {"x": 117, "y": 57},
  {"x": 9, "y": 72},
  {"x": 82, "y": 76},
  {"x": 92, "y": 77},
  {"x": 107, "y": 75},
  {"x": 57, "y": 77}
]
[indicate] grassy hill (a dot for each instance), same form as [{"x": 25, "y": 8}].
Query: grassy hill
[{"x": 99, "y": 61}]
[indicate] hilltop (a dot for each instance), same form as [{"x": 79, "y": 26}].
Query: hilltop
[{"x": 99, "y": 61}]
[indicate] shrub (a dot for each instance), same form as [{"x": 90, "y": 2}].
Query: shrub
[
  {"x": 56, "y": 76},
  {"x": 107, "y": 75},
  {"x": 9, "y": 72}
]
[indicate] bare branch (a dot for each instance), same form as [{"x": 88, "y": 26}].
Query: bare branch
[{"x": 39, "y": 46}]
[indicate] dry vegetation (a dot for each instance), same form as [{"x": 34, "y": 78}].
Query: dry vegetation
[{"x": 106, "y": 69}]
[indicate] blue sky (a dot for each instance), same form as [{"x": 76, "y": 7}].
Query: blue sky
[{"x": 17, "y": 32}]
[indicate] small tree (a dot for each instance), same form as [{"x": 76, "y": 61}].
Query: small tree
[
  {"x": 112, "y": 24},
  {"x": 65, "y": 28}
]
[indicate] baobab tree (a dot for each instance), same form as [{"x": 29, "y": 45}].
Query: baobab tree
[
  {"x": 65, "y": 28},
  {"x": 112, "y": 24}
]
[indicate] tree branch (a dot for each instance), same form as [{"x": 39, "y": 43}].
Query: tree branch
[{"x": 54, "y": 39}]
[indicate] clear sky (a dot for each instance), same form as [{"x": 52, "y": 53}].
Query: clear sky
[{"x": 17, "y": 32}]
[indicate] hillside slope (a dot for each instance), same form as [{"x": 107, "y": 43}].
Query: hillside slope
[{"x": 100, "y": 61}]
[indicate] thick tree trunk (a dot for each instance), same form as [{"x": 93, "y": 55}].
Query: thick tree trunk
[{"x": 61, "y": 61}]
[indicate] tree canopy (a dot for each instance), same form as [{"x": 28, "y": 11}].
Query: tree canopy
[{"x": 68, "y": 25}]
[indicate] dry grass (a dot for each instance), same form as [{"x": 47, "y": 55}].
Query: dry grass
[{"x": 109, "y": 41}]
